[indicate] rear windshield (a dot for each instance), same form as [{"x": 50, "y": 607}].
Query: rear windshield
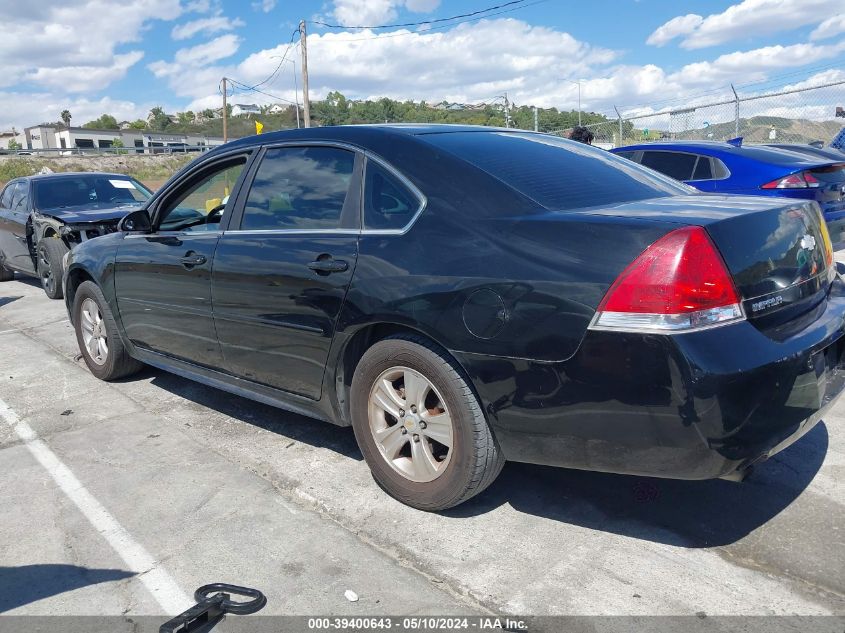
[
  {"x": 775, "y": 156},
  {"x": 87, "y": 189},
  {"x": 557, "y": 173}
]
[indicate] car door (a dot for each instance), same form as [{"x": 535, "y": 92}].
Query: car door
[
  {"x": 14, "y": 213},
  {"x": 282, "y": 269},
  {"x": 163, "y": 278}
]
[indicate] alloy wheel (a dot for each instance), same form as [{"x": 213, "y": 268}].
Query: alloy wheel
[
  {"x": 411, "y": 424},
  {"x": 94, "y": 332},
  {"x": 45, "y": 269}
]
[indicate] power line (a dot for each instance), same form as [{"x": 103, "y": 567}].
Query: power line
[
  {"x": 245, "y": 88},
  {"x": 441, "y": 27},
  {"x": 435, "y": 21},
  {"x": 282, "y": 61}
]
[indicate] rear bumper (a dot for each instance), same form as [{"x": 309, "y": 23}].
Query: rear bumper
[{"x": 692, "y": 406}]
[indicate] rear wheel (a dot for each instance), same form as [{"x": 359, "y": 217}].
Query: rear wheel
[
  {"x": 51, "y": 266},
  {"x": 96, "y": 333},
  {"x": 420, "y": 426}
]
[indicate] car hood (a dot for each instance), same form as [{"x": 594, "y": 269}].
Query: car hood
[{"x": 93, "y": 213}]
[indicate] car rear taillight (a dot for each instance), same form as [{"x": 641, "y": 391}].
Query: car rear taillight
[
  {"x": 679, "y": 283},
  {"x": 800, "y": 180}
]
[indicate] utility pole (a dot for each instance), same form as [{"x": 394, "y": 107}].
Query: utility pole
[
  {"x": 507, "y": 111},
  {"x": 303, "y": 38},
  {"x": 225, "y": 114},
  {"x": 536, "y": 120}
]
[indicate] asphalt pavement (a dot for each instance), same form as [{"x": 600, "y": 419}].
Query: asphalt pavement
[{"x": 122, "y": 498}]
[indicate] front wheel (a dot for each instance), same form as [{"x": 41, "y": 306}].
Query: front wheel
[
  {"x": 6, "y": 274},
  {"x": 96, "y": 333},
  {"x": 419, "y": 425},
  {"x": 51, "y": 266}
]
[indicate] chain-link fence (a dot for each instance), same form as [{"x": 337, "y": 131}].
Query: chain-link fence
[{"x": 799, "y": 115}]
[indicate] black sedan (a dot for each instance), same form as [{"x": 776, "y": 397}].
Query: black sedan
[
  {"x": 464, "y": 296},
  {"x": 42, "y": 217}
]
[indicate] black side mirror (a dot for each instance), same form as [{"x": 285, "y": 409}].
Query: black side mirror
[{"x": 136, "y": 222}]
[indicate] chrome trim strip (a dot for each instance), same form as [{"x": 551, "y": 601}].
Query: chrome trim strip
[{"x": 135, "y": 236}]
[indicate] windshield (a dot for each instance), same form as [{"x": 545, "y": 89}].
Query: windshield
[
  {"x": 557, "y": 173},
  {"x": 85, "y": 190}
]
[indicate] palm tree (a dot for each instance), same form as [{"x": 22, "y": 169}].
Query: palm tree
[{"x": 65, "y": 115}]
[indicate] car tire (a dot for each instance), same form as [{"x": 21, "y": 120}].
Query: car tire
[
  {"x": 412, "y": 457},
  {"x": 51, "y": 266},
  {"x": 97, "y": 335},
  {"x": 6, "y": 274}
]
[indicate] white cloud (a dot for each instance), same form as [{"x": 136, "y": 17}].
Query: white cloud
[
  {"x": 748, "y": 18},
  {"x": 30, "y": 108},
  {"x": 830, "y": 27},
  {"x": 753, "y": 65},
  {"x": 86, "y": 78},
  {"x": 375, "y": 12},
  {"x": 188, "y": 60},
  {"x": 205, "y": 26},
  {"x": 264, "y": 5},
  {"x": 75, "y": 39},
  {"x": 681, "y": 25}
]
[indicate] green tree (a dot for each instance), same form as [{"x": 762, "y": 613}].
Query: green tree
[
  {"x": 105, "y": 122},
  {"x": 118, "y": 143},
  {"x": 208, "y": 114},
  {"x": 66, "y": 117},
  {"x": 158, "y": 120},
  {"x": 14, "y": 145},
  {"x": 138, "y": 124},
  {"x": 185, "y": 118}
]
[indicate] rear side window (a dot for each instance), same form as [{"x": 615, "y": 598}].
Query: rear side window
[
  {"x": 556, "y": 173},
  {"x": 703, "y": 170},
  {"x": 628, "y": 155},
  {"x": 301, "y": 188},
  {"x": 388, "y": 203},
  {"x": 676, "y": 165}
]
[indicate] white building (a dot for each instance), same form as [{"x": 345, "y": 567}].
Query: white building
[
  {"x": 240, "y": 109},
  {"x": 142, "y": 141}
]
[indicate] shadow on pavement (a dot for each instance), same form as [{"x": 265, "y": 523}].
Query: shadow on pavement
[
  {"x": 685, "y": 513},
  {"x": 30, "y": 583},
  {"x": 297, "y": 427},
  {"x": 8, "y": 300}
]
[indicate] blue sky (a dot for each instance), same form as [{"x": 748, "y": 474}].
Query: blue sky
[{"x": 91, "y": 58}]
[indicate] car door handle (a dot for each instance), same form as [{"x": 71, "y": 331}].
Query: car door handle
[
  {"x": 327, "y": 266},
  {"x": 193, "y": 259}
]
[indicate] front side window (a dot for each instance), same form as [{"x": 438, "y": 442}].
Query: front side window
[
  {"x": 202, "y": 205},
  {"x": 6, "y": 198},
  {"x": 20, "y": 197},
  {"x": 676, "y": 165},
  {"x": 388, "y": 204},
  {"x": 302, "y": 188}
]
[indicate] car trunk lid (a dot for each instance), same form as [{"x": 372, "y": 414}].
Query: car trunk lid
[{"x": 778, "y": 251}]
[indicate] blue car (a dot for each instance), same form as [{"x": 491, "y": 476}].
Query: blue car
[{"x": 757, "y": 170}]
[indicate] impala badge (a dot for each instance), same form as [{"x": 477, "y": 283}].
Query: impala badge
[{"x": 808, "y": 242}]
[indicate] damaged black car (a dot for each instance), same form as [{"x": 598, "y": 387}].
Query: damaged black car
[{"x": 42, "y": 217}]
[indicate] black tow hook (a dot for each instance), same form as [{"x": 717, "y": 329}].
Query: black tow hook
[{"x": 213, "y": 603}]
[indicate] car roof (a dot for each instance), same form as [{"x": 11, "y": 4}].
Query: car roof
[{"x": 359, "y": 133}]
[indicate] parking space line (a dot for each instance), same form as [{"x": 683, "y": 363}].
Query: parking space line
[{"x": 156, "y": 579}]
